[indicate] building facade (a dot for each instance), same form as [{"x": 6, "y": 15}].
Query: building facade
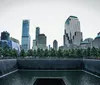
[
  {"x": 41, "y": 42},
  {"x": 5, "y": 35},
  {"x": 96, "y": 41},
  {"x": 34, "y": 47},
  {"x": 87, "y": 43},
  {"x": 72, "y": 33},
  {"x": 55, "y": 45},
  {"x": 25, "y": 35},
  {"x": 37, "y": 32}
]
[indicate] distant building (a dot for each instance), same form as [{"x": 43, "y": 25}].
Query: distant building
[
  {"x": 37, "y": 32},
  {"x": 5, "y": 35},
  {"x": 41, "y": 42},
  {"x": 15, "y": 40},
  {"x": 96, "y": 41},
  {"x": 34, "y": 47},
  {"x": 55, "y": 44},
  {"x": 0, "y": 37},
  {"x": 10, "y": 44},
  {"x": 86, "y": 43},
  {"x": 72, "y": 34},
  {"x": 25, "y": 35},
  {"x": 49, "y": 47}
]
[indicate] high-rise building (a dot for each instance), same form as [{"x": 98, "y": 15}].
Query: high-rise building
[
  {"x": 72, "y": 33},
  {"x": 34, "y": 47},
  {"x": 5, "y": 35},
  {"x": 37, "y": 32},
  {"x": 25, "y": 35},
  {"x": 41, "y": 42},
  {"x": 55, "y": 44}
]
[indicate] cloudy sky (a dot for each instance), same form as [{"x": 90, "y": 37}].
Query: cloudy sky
[{"x": 50, "y": 16}]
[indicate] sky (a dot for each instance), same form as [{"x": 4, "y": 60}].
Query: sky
[{"x": 50, "y": 16}]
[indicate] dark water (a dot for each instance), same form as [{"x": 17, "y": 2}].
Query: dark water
[{"x": 27, "y": 77}]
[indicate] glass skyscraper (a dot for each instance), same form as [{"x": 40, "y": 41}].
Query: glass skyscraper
[
  {"x": 25, "y": 35},
  {"x": 37, "y": 32}
]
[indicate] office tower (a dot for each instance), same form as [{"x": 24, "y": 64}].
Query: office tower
[
  {"x": 34, "y": 45},
  {"x": 72, "y": 33},
  {"x": 25, "y": 35},
  {"x": 37, "y": 32},
  {"x": 5, "y": 35},
  {"x": 41, "y": 42},
  {"x": 96, "y": 41},
  {"x": 55, "y": 44}
]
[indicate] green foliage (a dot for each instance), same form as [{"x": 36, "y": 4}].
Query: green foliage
[
  {"x": 34, "y": 53},
  {"x": 88, "y": 52},
  {"x": 94, "y": 52},
  {"x": 65, "y": 53},
  {"x": 1, "y": 51},
  {"x": 72, "y": 53},
  {"x": 38, "y": 52},
  {"x": 79, "y": 53},
  {"x": 41, "y": 53},
  {"x": 23, "y": 53},
  {"x": 59, "y": 53},
  {"x": 46, "y": 53},
  {"x": 30, "y": 52},
  {"x": 52, "y": 52}
]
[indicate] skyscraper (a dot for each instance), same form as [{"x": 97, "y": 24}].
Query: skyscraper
[
  {"x": 41, "y": 42},
  {"x": 25, "y": 35},
  {"x": 37, "y": 32},
  {"x": 55, "y": 44},
  {"x": 72, "y": 33}
]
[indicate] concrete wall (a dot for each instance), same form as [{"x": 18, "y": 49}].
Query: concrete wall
[
  {"x": 92, "y": 65},
  {"x": 7, "y": 65},
  {"x": 50, "y": 64}
]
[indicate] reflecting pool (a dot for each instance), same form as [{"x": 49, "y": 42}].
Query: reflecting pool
[{"x": 27, "y": 77}]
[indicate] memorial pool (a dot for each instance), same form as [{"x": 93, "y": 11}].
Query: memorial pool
[{"x": 26, "y": 77}]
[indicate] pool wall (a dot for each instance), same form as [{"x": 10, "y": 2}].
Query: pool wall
[
  {"x": 7, "y": 66},
  {"x": 53, "y": 64},
  {"x": 92, "y": 65},
  {"x": 10, "y": 65}
]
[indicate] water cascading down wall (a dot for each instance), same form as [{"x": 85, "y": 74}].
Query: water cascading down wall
[{"x": 12, "y": 65}]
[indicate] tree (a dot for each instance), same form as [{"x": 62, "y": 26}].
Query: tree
[
  {"x": 59, "y": 53},
  {"x": 7, "y": 52},
  {"x": 23, "y": 53},
  {"x": 66, "y": 53},
  {"x": 1, "y": 51},
  {"x": 94, "y": 52},
  {"x": 30, "y": 52},
  {"x": 88, "y": 52},
  {"x": 41, "y": 53},
  {"x": 52, "y": 52},
  {"x": 34, "y": 53},
  {"x": 46, "y": 52},
  {"x": 72, "y": 53},
  {"x": 98, "y": 53},
  {"x": 84, "y": 53},
  {"x": 38, "y": 52},
  {"x": 79, "y": 53}
]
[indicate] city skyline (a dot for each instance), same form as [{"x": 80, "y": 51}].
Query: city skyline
[{"x": 49, "y": 18}]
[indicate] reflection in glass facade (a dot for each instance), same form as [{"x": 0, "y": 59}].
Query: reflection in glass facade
[{"x": 25, "y": 35}]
